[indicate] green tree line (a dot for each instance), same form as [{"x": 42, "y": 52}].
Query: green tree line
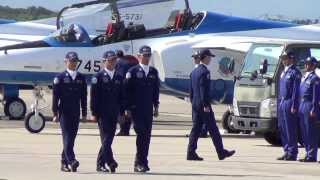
[{"x": 22, "y": 14}]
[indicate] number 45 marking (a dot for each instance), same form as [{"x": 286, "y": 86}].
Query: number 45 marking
[{"x": 90, "y": 66}]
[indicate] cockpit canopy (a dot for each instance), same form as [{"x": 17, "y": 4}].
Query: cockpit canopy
[{"x": 72, "y": 33}]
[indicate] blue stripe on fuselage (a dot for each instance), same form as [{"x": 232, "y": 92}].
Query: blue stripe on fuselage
[{"x": 6, "y": 21}]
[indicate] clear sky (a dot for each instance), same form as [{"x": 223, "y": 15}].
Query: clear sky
[{"x": 249, "y": 8}]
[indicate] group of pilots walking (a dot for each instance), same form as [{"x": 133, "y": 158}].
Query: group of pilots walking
[
  {"x": 118, "y": 93},
  {"x": 299, "y": 108},
  {"x": 133, "y": 91}
]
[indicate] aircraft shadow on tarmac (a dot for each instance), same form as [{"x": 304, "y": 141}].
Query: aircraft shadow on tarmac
[{"x": 188, "y": 174}]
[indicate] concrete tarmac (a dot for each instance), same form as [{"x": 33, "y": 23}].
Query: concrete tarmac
[{"x": 25, "y": 156}]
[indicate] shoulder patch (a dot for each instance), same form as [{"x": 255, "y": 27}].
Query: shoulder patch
[
  {"x": 128, "y": 75},
  {"x": 56, "y": 80},
  {"x": 94, "y": 80}
]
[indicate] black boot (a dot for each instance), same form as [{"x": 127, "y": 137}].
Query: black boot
[
  {"x": 64, "y": 167},
  {"x": 102, "y": 168},
  {"x": 193, "y": 156},
  {"x": 226, "y": 154},
  {"x": 74, "y": 165},
  {"x": 113, "y": 166},
  {"x": 140, "y": 168}
]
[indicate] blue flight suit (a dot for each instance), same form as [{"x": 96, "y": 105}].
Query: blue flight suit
[
  {"x": 68, "y": 95},
  {"x": 288, "y": 99},
  {"x": 310, "y": 130},
  {"x": 122, "y": 67},
  {"x": 200, "y": 98},
  {"x": 107, "y": 102},
  {"x": 142, "y": 92}
]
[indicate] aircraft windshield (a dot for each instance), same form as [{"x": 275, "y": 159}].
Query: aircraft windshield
[
  {"x": 72, "y": 33},
  {"x": 258, "y": 54}
]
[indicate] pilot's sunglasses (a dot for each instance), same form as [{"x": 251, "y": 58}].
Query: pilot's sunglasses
[{"x": 146, "y": 55}]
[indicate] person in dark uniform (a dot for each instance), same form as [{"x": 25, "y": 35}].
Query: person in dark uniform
[
  {"x": 69, "y": 92},
  {"x": 201, "y": 110},
  {"x": 196, "y": 61},
  {"x": 122, "y": 67},
  {"x": 107, "y": 102},
  {"x": 288, "y": 107},
  {"x": 309, "y": 110},
  {"x": 142, "y": 86}
]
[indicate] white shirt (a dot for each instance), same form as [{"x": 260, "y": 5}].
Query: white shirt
[
  {"x": 317, "y": 72},
  {"x": 305, "y": 76},
  {"x": 110, "y": 73},
  {"x": 72, "y": 73},
  {"x": 145, "y": 68},
  {"x": 285, "y": 70}
]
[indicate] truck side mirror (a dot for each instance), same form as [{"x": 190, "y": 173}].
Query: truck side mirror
[{"x": 264, "y": 67}]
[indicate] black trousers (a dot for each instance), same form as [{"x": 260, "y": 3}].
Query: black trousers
[
  {"x": 69, "y": 125},
  {"x": 199, "y": 117},
  {"x": 143, "y": 126},
  {"x": 107, "y": 128}
]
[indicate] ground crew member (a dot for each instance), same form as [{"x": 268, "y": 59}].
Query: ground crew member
[
  {"x": 69, "y": 92},
  {"x": 288, "y": 107},
  {"x": 122, "y": 67},
  {"x": 196, "y": 61},
  {"x": 201, "y": 110},
  {"x": 309, "y": 110},
  {"x": 107, "y": 102},
  {"x": 142, "y": 85}
]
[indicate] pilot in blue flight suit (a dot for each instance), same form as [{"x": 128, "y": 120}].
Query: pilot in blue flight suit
[
  {"x": 288, "y": 107},
  {"x": 69, "y": 92},
  {"x": 309, "y": 110},
  {"x": 196, "y": 60},
  {"x": 201, "y": 110},
  {"x": 122, "y": 67},
  {"x": 107, "y": 102},
  {"x": 142, "y": 87}
]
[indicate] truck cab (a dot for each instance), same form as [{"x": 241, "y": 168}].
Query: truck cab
[{"x": 256, "y": 89}]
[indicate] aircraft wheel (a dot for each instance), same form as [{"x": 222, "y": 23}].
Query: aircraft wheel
[
  {"x": 33, "y": 124},
  {"x": 273, "y": 138},
  {"x": 227, "y": 123},
  {"x": 15, "y": 108}
]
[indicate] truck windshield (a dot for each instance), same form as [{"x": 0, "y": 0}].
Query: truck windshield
[{"x": 257, "y": 54}]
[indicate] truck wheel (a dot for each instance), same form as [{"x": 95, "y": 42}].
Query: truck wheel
[
  {"x": 273, "y": 138},
  {"x": 227, "y": 124},
  {"x": 15, "y": 108},
  {"x": 33, "y": 124}
]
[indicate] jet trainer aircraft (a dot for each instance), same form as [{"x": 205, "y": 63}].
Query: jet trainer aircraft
[{"x": 34, "y": 64}]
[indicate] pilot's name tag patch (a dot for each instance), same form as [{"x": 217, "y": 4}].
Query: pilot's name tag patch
[
  {"x": 139, "y": 75},
  {"x": 152, "y": 76},
  {"x": 105, "y": 79},
  {"x": 117, "y": 82},
  {"x": 79, "y": 81},
  {"x": 66, "y": 80}
]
